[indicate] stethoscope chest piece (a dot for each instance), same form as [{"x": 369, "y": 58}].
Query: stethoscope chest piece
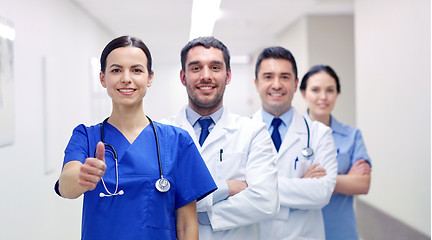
[
  {"x": 307, "y": 152},
  {"x": 162, "y": 185}
]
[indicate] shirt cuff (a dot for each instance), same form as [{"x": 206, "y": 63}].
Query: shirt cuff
[
  {"x": 56, "y": 188},
  {"x": 221, "y": 193}
]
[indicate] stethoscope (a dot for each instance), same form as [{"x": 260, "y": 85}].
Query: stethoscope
[
  {"x": 162, "y": 185},
  {"x": 307, "y": 151}
]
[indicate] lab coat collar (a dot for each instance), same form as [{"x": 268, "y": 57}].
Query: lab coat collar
[
  {"x": 294, "y": 132},
  {"x": 224, "y": 125},
  {"x": 296, "y": 129}
]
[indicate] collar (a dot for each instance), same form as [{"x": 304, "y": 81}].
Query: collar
[
  {"x": 193, "y": 116},
  {"x": 338, "y": 127},
  {"x": 286, "y": 117}
]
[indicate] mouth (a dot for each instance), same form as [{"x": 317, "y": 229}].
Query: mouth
[
  {"x": 276, "y": 94},
  {"x": 322, "y": 105},
  {"x": 126, "y": 90},
  {"x": 205, "y": 88}
]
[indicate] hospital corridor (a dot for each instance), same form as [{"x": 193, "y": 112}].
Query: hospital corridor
[{"x": 51, "y": 82}]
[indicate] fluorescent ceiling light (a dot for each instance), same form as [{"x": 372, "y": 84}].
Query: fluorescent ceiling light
[
  {"x": 204, "y": 15},
  {"x": 6, "y": 30}
]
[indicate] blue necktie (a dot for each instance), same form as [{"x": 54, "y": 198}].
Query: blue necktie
[
  {"x": 276, "y": 135},
  {"x": 205, "y": 123}
]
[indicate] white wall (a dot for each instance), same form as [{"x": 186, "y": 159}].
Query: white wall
[
  {"x": 393, "y": 72},
  {"x": 60, "y": 33},
  {"x": 328, "y": 40},
  {"x": 393, "y": 89},
  {"x": 331, "y": 42}
]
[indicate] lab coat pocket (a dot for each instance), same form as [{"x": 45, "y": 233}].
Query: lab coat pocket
[
  {"x": 283, "y": 213},
  {"x": 232, "y": 165},
  {"x": 301, "y": 165}
]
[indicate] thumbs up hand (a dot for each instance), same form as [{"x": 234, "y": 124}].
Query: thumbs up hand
[{"x": 93, "y": 169}]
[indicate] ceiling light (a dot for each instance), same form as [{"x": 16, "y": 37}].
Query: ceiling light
[
  {"x": 204, "y": 15},
  {"x": 6, "y": 30}
]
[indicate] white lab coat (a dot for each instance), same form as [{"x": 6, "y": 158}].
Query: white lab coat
[
  {"x": 301, "y": 199},
  {"x": 248, "y": 155}
]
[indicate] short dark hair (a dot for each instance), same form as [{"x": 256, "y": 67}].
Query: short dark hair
[
  {"x": 278, "y": 53},
  {"x": 206, "y": 42},
  {"x": 125, "y": 41},
  {"x": 320, "y": 68}
]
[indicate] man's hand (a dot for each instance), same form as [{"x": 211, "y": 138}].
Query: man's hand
[
  {"x": 235, "y": 186},
  {"x": 315, "y": 172}
]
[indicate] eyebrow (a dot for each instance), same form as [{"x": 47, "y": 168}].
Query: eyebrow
[
  {"x": 120, "y": 66},
  {"x": 212, "y": 62},
  {"x": 272, "y": 73}
]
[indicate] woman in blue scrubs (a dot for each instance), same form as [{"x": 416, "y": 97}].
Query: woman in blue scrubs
[
  {"x": 121, "y": 200},
  {"x": 320, "y": 88}
]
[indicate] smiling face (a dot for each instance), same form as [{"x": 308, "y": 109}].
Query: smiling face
[
  {"x": 126, "y": 77},
  {"x": 276, "y": 84},
  {"x": 205, "y": 78},
  {"x": 320, "y": 95}
]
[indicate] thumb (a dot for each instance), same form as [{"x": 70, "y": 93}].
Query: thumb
[{"x": 100, "y": 151}]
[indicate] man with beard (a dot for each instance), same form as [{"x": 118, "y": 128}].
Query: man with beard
[{"x": 238, "y": 151}]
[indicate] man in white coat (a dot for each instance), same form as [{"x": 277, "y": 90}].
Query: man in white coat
[
  {"x": 305, "y": 183},
  {"x": 237, "y": 150}
]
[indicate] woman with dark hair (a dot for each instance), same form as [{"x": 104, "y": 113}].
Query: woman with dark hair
[
  {"x": 138, "y": 177},
  {"x": 320, "y": 88}
]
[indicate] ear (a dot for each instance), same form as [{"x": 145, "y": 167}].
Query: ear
[
  {"x": 228, "y": 79},
  {"x": 296, "y": 84},
  {"x": 102, "y": 79},
  {"x": 303, "y": 92},
  {"x": 183, "y": 77},
  {"x": 150, "y": 80},
  {"x": 256, "y": 84}
]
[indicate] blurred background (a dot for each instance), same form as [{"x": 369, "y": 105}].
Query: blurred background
[{"x": 49, "y": 68}]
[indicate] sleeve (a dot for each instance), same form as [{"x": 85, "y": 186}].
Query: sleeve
[
  {"x": 193, "y": 179},
  {"x": 359, "y": 151},
  {"x": 77, "y": 148},
  {"x": 312, "y": 193},
  {"x": 259, "y": 201}
]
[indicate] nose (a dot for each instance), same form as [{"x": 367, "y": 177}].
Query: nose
[
  {"x": 205, "y": 73},
  {"x": 276, "y": 83},
  {"x": 323, "y": 95},
  {"x": 126, "y": 78}
]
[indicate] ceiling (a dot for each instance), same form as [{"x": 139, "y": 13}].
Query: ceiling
[{"x": 245, "y": 26}]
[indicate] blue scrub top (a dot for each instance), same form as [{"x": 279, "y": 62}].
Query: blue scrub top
[
  {"x": 142, "y": 212},
  {"x": 339, "y": 217}
]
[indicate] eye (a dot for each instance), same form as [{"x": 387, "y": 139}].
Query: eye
[
  {"x": 315, "y": 90},
  {"x": 267, "y": 77},
  {"x": 331, "y": 90},
  {"x": 216, "y": 68},
  {"x": 115, "y": 70},
  {"x": 195, "y": 68},
  {"x": 137, "y": 70}
]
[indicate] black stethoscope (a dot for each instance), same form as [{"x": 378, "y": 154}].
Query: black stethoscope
[
  {"x": 307, "y": 151},
  {"x": 162, "y": 185}
]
